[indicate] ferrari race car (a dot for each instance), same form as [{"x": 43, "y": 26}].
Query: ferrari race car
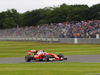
[{"x": 43, "y": 56}]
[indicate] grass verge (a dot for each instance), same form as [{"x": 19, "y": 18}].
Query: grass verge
[
  {"x": 19, "y": 49},
  {"x": 50, "y": 69}
]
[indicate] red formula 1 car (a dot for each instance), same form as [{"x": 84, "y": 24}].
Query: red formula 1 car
[{"x": 43, "y": 56}]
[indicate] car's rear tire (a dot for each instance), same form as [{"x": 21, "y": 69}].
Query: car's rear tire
[
  {"x": 46, "y": 58},
  {"x": 27, "y": 58}
]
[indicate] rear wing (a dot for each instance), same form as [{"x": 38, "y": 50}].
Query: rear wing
[{"x": 32, "y": 51}]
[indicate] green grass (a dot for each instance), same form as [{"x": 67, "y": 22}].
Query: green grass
[
  {"x": 50, "y": 69},
  {"x": 19, "y": 49}
]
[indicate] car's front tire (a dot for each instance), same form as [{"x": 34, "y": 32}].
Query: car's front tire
[{"x": 60, "y": 56}]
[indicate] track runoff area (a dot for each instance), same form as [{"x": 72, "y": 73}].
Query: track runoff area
[{"x": 70, "y": 58}]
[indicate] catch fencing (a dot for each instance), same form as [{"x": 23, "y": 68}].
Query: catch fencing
[{"x": 55, "y": 40}]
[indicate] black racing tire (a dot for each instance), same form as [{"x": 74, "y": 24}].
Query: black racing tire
[
  {"x": 46, "y": 58},
  {"x": 60, "y": 55},
  {"x": 27, "y": 58}
]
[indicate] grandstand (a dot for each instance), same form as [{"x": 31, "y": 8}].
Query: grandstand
[{"x": 73, "y": 29}]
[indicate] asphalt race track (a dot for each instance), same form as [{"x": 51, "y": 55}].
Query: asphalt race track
[{"x": 71, "y": 58}]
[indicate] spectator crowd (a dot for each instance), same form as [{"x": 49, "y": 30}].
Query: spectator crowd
[{"x": 73, "y": 29}]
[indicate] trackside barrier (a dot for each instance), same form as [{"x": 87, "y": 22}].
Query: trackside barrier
[
  {"x": 55, "y": 40},
  {"x": 80, "y": 40}
]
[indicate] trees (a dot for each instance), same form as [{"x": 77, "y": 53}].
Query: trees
[
  {"x": 94, "y": 10},
  {"x": 8, "y": 23},
  {"x": 77, "y": 13},
  {"x": 11, "y": 18}
]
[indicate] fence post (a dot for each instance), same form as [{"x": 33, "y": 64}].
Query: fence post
[{"x": 75, "y": 40}]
